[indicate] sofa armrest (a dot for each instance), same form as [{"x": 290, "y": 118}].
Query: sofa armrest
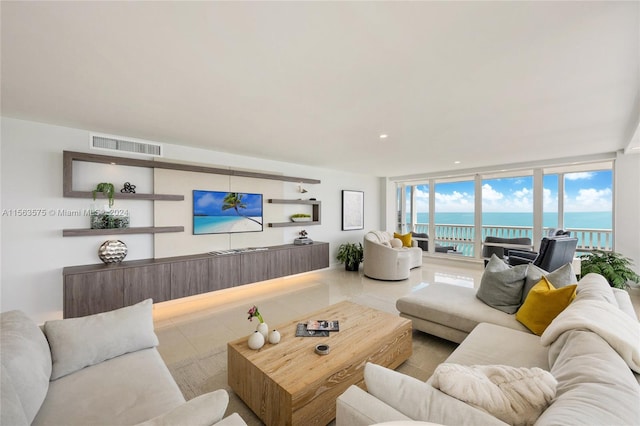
[
  {"x": 526, "y": 254},
  {"x": 204, "y": 410},
  {"x": 355, "y": 407},
  {"x": 232, "y": 420}
]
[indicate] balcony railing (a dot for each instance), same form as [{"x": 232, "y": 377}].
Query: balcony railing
[{"x": 462, "y": 236}]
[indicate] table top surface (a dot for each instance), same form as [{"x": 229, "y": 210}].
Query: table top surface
[{"x": 293, "y": 363}]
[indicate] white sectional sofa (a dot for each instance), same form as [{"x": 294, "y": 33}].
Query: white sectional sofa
[
  {"x": 97, "y": 370},
  {"x": 386, "y": 259},
  {"x": 590, "y": 349}
]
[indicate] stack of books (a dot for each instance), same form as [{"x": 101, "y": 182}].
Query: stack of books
[{"x": 316, "y": 328}]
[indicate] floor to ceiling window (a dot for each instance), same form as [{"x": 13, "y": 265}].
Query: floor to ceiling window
[
  {"x": 576, "y": 197},
  {"x": 454, "y": 217},
  {"x": 507, "y": 206}
]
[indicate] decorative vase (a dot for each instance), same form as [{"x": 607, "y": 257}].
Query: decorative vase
[
  {"x": 274, "y": 337},
  {"x": 112, "y": 251},
  {"x": 263, "y": 329},
  {"x": 256, "y": 340}
]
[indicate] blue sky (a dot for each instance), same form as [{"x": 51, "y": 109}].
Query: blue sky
[
  {"x": 584, "y": 192},
  {"x": 210, "y": 203}
]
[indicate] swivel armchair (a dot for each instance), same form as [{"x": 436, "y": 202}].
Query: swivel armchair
[{"x": 554, "y": 253}]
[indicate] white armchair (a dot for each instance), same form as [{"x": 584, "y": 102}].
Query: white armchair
[{"x": 384, "y": 262}]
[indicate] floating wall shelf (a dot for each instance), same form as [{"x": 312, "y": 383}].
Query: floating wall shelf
[
  {"x": 315, "y": 216},
  {"x": 67, "y": 190},
  {"x": 121, "y": 231}
]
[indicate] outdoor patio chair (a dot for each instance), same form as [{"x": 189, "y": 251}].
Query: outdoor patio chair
[
  {"x": 554, "y": 253},
  {"x": 500, "y": 246}
]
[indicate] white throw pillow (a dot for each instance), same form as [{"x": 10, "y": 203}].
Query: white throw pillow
[
  {"x": 396, "y": 243},
  {"x": 80, "y": 342}
]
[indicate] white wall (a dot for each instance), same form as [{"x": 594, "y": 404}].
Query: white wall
[
  {"x": 33, "y": 251},
  {"x": 627, "y": 207}
]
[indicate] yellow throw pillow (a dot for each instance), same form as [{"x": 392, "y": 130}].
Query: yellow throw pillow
[
  {"x": 543, "y": 303},
  {"x": 406, "y": 239}
]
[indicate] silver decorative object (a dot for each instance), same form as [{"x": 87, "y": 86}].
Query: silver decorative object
[{"x": 112, "y": 251}]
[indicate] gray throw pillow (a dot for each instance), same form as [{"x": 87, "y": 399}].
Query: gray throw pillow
[
  {"x": 561, "y": 277},
  {"x": 80, "y": 342},
  {"x": 501, "y": 285}
]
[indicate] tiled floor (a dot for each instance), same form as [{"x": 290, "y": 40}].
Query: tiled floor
[
  {"x": 193, "y": 332},
  {"x": 195, "y": 326}
]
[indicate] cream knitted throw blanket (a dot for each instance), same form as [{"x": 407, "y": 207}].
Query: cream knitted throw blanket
[
  {"x": 617, "y": 328},
  {"x": 515, "y": 395}
]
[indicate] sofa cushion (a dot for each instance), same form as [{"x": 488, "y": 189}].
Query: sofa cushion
[
  {"x": 124, "y": 390},
  {"x": 543, "y": 304},
  {"x": 26, "y": 361},
  {"x": 501, "y": 285},
  {"x": 480, "y": 348},
  {"x": 595, "y": 386},
  {"x": 515, "y": 395},
  {"x": 405, "y": 238},
  {"x": 11, "y": 412},
  {"x": 561, "y": 277},
  {"x": 421, "y": 401},
  {"x": 80, "y": 342},
  {"x": 207, "y": 409},
  {"x": 454, "y": 306}
]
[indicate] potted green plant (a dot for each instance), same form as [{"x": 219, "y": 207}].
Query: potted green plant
[
  {"x": 351, "y": 255},
  {"x": 107, "y": 219},
  {"x": 611, "y": 265},
  {"x": 107, "y": 189}
]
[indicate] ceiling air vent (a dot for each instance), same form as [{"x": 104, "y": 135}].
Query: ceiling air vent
[{"x": 116, "y": 143}]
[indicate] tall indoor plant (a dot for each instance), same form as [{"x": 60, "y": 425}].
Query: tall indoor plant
[
  {"x": 611, "y": 265},
  {"x": 351, "y": 254}
]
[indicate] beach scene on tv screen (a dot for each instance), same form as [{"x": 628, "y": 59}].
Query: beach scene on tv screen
[{"x": 217, "y": 212}]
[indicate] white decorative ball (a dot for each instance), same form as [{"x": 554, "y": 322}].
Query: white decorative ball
[
  {"x": 256, "y": 340},
  {"x": 274, "y": 337}
]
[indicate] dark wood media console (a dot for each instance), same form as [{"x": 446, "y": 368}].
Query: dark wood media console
[{"x": 92, "y": 289}]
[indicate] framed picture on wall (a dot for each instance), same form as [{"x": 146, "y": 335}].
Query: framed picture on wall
[{"x": 352, "y": 210}]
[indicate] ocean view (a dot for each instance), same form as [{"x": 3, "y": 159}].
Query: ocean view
[{"x": 575, "y": 220}]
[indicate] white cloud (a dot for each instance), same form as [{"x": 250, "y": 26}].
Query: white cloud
[
  {"x": 490, "y": 194},
  {"x": 550, "y": 204},
  {"x": 454, "y": 202},
  {"x": 495, "y": 201},
  {"x": 421, "y": 200},
  {"x": 578, "y": 176},
  {"x": 206, "y": 200},
  {"x": 589, "y": 199}
]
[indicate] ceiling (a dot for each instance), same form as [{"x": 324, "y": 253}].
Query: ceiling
[{"x": 317, "y": 83}]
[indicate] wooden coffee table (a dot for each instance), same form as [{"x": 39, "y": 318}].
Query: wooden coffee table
[{"x": 289, "y": 384}]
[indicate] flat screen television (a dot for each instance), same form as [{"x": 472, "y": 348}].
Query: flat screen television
[{"x": 218, "y": 212}]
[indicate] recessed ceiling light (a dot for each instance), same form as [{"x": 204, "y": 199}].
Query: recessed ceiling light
[
  {"x": 635, "y": 147},
  {"x": 384, "y": 136},
  {"x": 456, "y": 162}
]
